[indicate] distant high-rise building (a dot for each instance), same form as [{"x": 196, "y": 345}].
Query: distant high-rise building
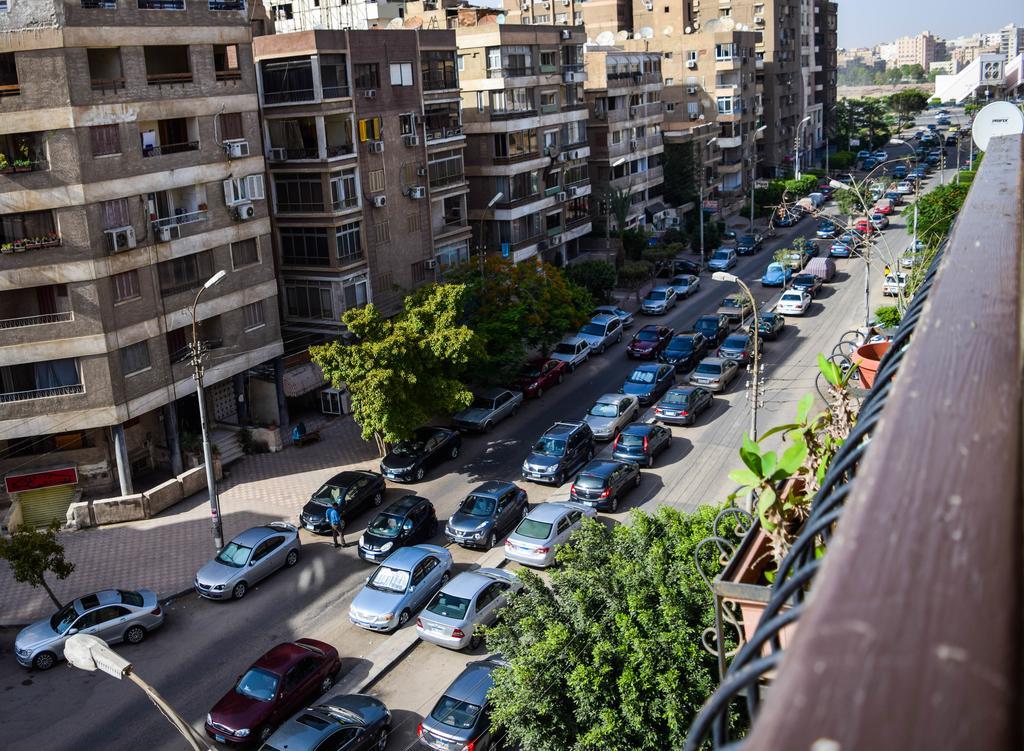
[
  {"x": 1011, "y": 41},
  {"x": 916, "y": 50}
]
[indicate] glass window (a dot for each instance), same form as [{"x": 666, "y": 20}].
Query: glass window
[
  {"x": 258, "y": 684},
  {"x": 438, "y": 68},
  {"x": 367, "y": 75},
  {"x": 304, "y": 246},
  {"x": 350, "y": 245},
  {"x": 355, "y": 292},
  {"x": 244, "y": 253},
  {"x": 369, "y": 129},
  {"x": 289, "y": 80},
  {"x": 401, "y": 74},
  {"x": 185, "y": 273},
  {"x": 106, "y": 140},
  {"x": 446, "y": 168},
  {"x": 309, "y": 299},
  {"x": 333, "y": 76},
  {"x": 116, "y": 213},
  {"x": 126, "y": 286},
  {"x": 134, "y": 358},
  {"x": 344, "y": 190},
  {"x": 298, "y": 192},
  {"x": 254, "y": 315},
  {"x": 448, "y": 606}
]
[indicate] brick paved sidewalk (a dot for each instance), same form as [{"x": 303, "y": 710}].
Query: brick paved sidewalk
[{"x": 163, "y": 553}]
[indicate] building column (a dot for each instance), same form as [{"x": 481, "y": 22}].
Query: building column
[
  {"x": 170, "y": 412},
  {"x": 124, "y": 469},
  {"x": 282, "y": 403},
  {"x": 241, "y": 405}
]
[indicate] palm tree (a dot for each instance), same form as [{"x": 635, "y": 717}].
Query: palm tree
[{"x": 619, "y": 200}]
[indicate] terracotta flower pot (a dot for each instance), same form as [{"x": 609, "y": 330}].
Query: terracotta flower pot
[{"x": 867, "y": 357}]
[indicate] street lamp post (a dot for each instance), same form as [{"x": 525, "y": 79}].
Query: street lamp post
[
  {"x": 88, "y": 652},
  {"x": 723, "y": 276},
  {"x": 198, "y": 354},
  {"x": 700, "y": 195},
  {"x": 866, "y": 252},
  {"x": 753, "y": 175},
  {"x": 480, "y": 244},
  {"x": 798, "y": 145}
]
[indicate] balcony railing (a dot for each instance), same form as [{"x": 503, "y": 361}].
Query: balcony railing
[
  {"x": 22, "y": 396},
  {"x": 103, "y": 4},
  {"x": 336, "y": 92},
  {"x": 336, "y": 150},
  {"x": 161, "y": 4},
  {"x": 228, "y": 75},
  {"x": 227, "y": 5},
  {"x": 107, "y": 85},
  {"x": 186, "y": 217},
  {"x": 299, "y": 208},
  {"x": 170, "y": 148},
  {"x": 439, "y": 134},
  {"x": 21, "y": 165},
  {"x": 169, "y": 79},
  {"x": 510, "y": 71},
  {"x": 39, "y": 320},
  {"x": 921, "y": 519},
  {"x": 291, "y": 95},
  {"x": 345, "y": 203}
]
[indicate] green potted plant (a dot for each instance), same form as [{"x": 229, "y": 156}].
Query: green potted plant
[
  {"x": 24, "y": 164},
  {"x": 7, "y": 248},
  {"x": 5, "y": 164}
]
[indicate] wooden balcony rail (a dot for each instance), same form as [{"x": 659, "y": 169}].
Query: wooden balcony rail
[
  {"x": 228, "y": 75},
  {"x": 103, "y": 85},
  {"x": 912, "y": 635},
  {"x": 10, "y": 89},
  {"x": 170, "y": 148},
  {"x": 167, "y": 79}
]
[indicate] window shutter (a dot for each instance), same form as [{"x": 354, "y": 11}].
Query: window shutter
[
  {"x": 376, "y": 128},
  {"x": 362, "y": 130},
  {"x": 255, "y": 187},
  {"x": 229, "y": 193}
]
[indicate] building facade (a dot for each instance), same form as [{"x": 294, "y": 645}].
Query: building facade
[
  {"x": 916, "y": 50},
  {"x": 1011, "y": 41},
  {"x": 307, "y": 15},
  {"x": 131, "y": 174}
]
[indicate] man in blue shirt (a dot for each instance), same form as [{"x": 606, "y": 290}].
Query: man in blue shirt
[{"x": 337, "y": 524}]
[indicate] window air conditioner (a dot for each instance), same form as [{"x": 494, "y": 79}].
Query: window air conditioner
[
  {"x": 121, "y": 238},
  {"x": 417, "y": 192},
  {"x": 411, "y": 139},
  {"x": 556, "y": 240},
  {"x": 244, "y": 211},
  {"x": 376, "y": 147},
  {"x": 575, "y": 155},
  {"x": 691, "y": 64},
  {"x": 421, "y": 172},
  {"x": 430, "y": 263},
  {"x": 379, "y": 202},
  {"x": 633, "y": 145},
  {"x": 566, "y": 33},
  {"x": 278, "y": 155},
  {"x": 236, "y": 148},
  {"x": 369, "y": 93},
  {"x": 574, "y": 192},
  {"x": 562, "y": 196},
  {"x": 164, "y": 234},
  {"x": 691, "y": 89}
]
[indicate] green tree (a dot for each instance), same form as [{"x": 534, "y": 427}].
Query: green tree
[
  {"x": 936, "y": 211},
  {"x": 609, "y": 654},
  {"x": 34, "y": 553},
  {"x": 841, "y": 160},
  {"x": 597, "y": 277},
  {"x": 907, "y": 103},
  {"x": 634, "y": 274},
  {"x": 680, "y": 173},
  {"x": 403, "y": 371}
]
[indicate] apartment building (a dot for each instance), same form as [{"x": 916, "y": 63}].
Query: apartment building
[
  {"x": 598, "y": 16},
  {"x": 525, "y": 118},
  {"x": 1011, "y": 41},
  {"x": 916, "y": 50},
  {"x": 307, "y": 15},
  {"x": 131, "y": 174},
  {"x": 818, "y": 63},
  {"x": 364, "y": 143},
  {"x": 623, "y": 91}
]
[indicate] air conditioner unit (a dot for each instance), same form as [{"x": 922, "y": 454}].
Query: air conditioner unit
[
  {"x": 564, "y": 156},
  {"x": 691, "y": 64},
  {"x": 164, "y": 234},
  {"x": 369, "y": 93},
  {"x": 691, "y": 89},
  {"x": 759, "y": 20},
  {"x": 376, "y": 147},
  {"x": 379, "y": 202},
  {"x": 556, "y": 240},
  {"x": 566, "y": 3},
  {"x": 236, "y": 148},
  {"x": 417, "y": 192},
  {"x": 278, "y": 155},
  {"x": 547, "y": 5},
  {"x": 430, "y": 263},
  {"x": 649, "y": 6},
  {"x": 244, "y": 211},
  {"x": 526, "y": 6},
  {"x": 634, "y": 110},
  {"x": 694, "y": 116},
  {"x": 566, "y": 33},
  {"x": 633, "y": 145},
  {"x": 411, "y": 139},
  {"x": 550, "y": 151},
  {"x": 421, "y": 171},
  {"x": 574, "y": 192},
  {"x": 562, "y": 196},
  {"x": 121, "y": 238}
]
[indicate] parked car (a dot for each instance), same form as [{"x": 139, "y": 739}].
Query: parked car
[
  {"x": 863, "y": 226},
  {"x": 870, "y": 163},
  {"x": 625, "y": 317},
  {"x": 840, "y": 249},
  {"x": 905, "y": 188},
  {"x": 735, "y": 307},
  {"x": 351, "y": 722},
  {"x": 407, "y": 521},
  {"x": 685, "y": 284},
  {"x": 659, "y": 300},
  {"x": 714, "y": 328},
  {"x": 795, "y": 260},
  {"x": 489, "y": 407},
  {"x": 776, "y": 275},
  {"x": 603, "y": 482},
  {"x": 247, "y": 559},
  {"x": 884, "y": 206},
  {"x": 722, "y": 259},
  {"x": 740, "y": 348},
  {"x": 278, "y": 684},
  {"x": 879, "y": 221},
  {"x": 648, "y": 382},
  {"x": 601, "y": 333},
  {"x": 486, "y": 514},
  {"x": 863, "y": 154},
  {"x": 770, "y": 325},
  {"x": 641, "y": 442},
  {"x": 564, "y": 448},
  {"x": 683, "y": 405},
  {"x": 648, "y": 342},
  {"x": 899, "y": 171},
  {"x": 794, "y": 303},
  {"x": 472, "y": 599},
  {"x": 354, "y": 490},
  {"x": 461, "y": 719},
  {"x": 808, "y": 283},
  {"x": 895, "y": 196},
  {"x": 538, "y": 376},
  {"x": 114, "y": 615},
  {"x": 787, "y": 218},
  {"x": 400, "y": 586},
  {"x": 714, "y": 373},
  {"x": 880, "y": 154},
  {"x": 684, "y": 351},
  {"x": 826, "y": 229},
  {"x": 894, "y": 284},
  {"x": 824, "y": 268},
  {"x": 748, "y": 245},
  {"x": 573, "y": 351},
  {"x": 610, "y": 413},
  {"x": 409, "y": 460},
  {"x": 547, "y": 527},
  {"x": 686, "y": 266}
]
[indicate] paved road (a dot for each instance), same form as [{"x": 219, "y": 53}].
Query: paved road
[{"x": 204, "y": 645}]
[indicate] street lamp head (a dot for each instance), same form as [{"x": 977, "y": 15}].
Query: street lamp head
[
  {"x": 497, "y": 197},
  {"x": 621, "y": 160},
  {"x": 711, "y": 141},
  {"x": 762, "y": 129},
  {"x": 88, "y": 652},
  {"x": 724, "y": 276},
  {"x": 838, "y": 185},
  {"x": 215, "y": 279}
]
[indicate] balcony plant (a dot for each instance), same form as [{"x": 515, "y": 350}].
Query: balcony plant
[
  {"x": 7, "y": 248},
  {"x": 5, "y": 164},
  {"x": 24, "y": 164}
]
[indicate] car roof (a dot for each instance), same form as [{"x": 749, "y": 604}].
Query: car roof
[
  {"x": 601, "y": 467},
  {"x": 343, "y": 479},
  {"x": 548, "y": 512},
  {"x": 650, "y": 327},
  {"x": 737, "y": 335},
  {"x": 278, "y": 659},
  {"x": 564, "y": 428},
  {"x": 406, "y": 558},
  {"x": 648, "y": 366},
  {"x": 405, "y": 504},
  {"x": 609, "y": 398},
  {"x": 97, "y": 599},
  {"x": 492, "y": 488},
  {"x": 687, "y": 334},
  {"x": 255, "y": 535},
  {"x": 572, "y": 340},
  {"x": 714, "y": 360},
  {"x": 473, "y": 683},
  {"x": 660, "y": 288},
  {"x": 710, "y": 317},
  {"x": 429, "y": 430},
  {"x": 686, "y": 390},
  {"x": 489, "y": 393},
  {"x": 604, "y": 318},
  {"x": 466, "y": 584},
  {"x": 639, "y": 428}
]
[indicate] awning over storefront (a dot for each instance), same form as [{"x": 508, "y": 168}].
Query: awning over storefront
[
  {"x": 654, "y": 209},
  {"x": 302, "y": 379}
]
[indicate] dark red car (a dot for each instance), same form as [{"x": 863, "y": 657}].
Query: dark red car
[
  {"x": 648, "y": 342},
  {"x": 538, "y": 376},
  {"x": 280, "y": 683}
]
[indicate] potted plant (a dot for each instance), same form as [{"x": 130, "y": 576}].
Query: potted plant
[
  {"x": 7, "y": 248},
  {"x": 202, "y": 207},
  {"x": 5, "y": 164}
]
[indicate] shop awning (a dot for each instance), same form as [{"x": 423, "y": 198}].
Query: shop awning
[
  {"x": 654, "y": 209},
  {"x": 302, "y": 379}
]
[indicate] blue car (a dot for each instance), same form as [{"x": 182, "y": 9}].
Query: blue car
[
  {"x": 826, "y": 229},
  {"x": 840, "y": 250},
  {"x": 648, "y": 382},
  {"x": 899, "y": 171},
  {"x": 863, "y": 154},
  {"x": 776, "y": 275},
  {"x": 870, "y": 163}
]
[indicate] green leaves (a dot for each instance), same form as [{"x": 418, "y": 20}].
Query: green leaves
[{"x": 33, "y": 553}]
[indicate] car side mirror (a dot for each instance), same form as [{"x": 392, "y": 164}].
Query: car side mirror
[
  {"x": 252, "y": 563},
  {"x": 72, "y": 631}
]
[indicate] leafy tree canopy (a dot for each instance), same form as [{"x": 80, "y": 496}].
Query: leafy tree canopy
[
  {"x": 34, "y": 553},
  {"x": 597, "y": 277}
]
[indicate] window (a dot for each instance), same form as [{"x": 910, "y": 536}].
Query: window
[
  {"x": 244, "y": 253},
  {"x": 135, "y": 358},
  {"x": 289, "y": 80},
  {"x": 669, "y": 81},
  {"x": 168, "y": 64},
  {"x": 407, "y": 124},
  {"x": 382, "y": 233},
  {"x": 333, "y": 76},
  {"x": 350, "y": 245},
  {"x": 561, "y": 18},
  {"x": 125, "y": 286},
  {"x": 548, "y": 61},
  {"x": 355, "y": 292},
  {"x": 185, "y": 273},
  {"x": 445, "y": 168},
  {"x": 254, "y": 315},
  {"x": 309, "y": 299},
  {"x": 438, "y": 70},
  {"x": 106, "y": 139},
  {"x": 376, "y": 177},
  {"x": 442, "y": 120},
  {"x": 670, "y": 106},
  {"x": 461, "y": 63},
  {"x": 412, "y": 222},
  {"x": 401, "y": 74},
  {"x": 27, "y": 227},
  {"x": 225, "y": 62},
  {"x": 369, "y": 129},
  {"x": 116, "y": 214},
  {"x": 549, "y": 101},
  {"x": 367, "y": 75},
  {"x": 304, "y": 246},
  {"x": 616, "y": 137},
  {"x": 8, "y": 75},
  {"x": 298, "y": 192},
  {"x": 512, "y": 100},
  {"x": 693, "y": 108},
  {"x": 344, "y": 190},
  {"x": 105, "y": 71},
  {"x": 230, "y": 126},
  {"x": 241, "y": 189}
]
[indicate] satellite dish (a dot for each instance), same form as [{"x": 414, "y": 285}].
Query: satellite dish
[
  {"x": 996, "y": 119},
  {"x": 688, "y": 30},
  {"x": 500, "y": 18},
  {"x": 696, "y": 25},
  {"x": 396, "y": 23},
  {"x": 646, "y": 32},
  {"x": 667, "y": 31},
  {"x": 622, "y": 35},
  {"x": 606, "y": 39}
]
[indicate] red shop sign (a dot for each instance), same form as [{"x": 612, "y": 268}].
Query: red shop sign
[{"x": 46, "y": 479}]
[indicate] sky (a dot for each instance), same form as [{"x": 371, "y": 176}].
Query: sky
[{"x": 865, "y": 23}]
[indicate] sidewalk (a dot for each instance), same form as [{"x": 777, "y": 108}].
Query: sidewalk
[{"x": 163, "y": 553}]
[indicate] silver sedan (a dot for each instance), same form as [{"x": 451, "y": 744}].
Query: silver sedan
[
  {"x": 537, "y": 538},
  {"x": 250, "y": 557},
  {"x": 470, "y": 600}
]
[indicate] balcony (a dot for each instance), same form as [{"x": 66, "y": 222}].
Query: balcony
[
  {"x": 35, "y": 306},
  {"x": 171, "y": 136},
  {"x": 638, "y": 111},
  {"x": 728, "y": 63},
  {"x": 23, "y": 152},
  {"x": 288, "y": 81},
  {"x": 919, "y": 522},
  {"x": 28, "y": 231},
  {"x": 168, "y": 65},
  {"x": 161, "y": 4},
  {"x": 226, "y": 5},
  {"x": 730, "y": 167},
  {"x": 184, "y": 217},
  {"x": 40, "y": 380},
  {"x": 100, "y": 4}
]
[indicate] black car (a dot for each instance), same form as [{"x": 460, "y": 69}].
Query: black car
[
  {"x": 713, "y": 327},
  {"x": 354, "y": 490},
  {"x": 407, "y": 521},
  {"x": 409, "y": 460},
  {"x": 685, "y": 266},
  {"x": 602, "y": 482},
  {"x": 682, "y": 406},
  {"x": 770, "y": 325},
  {"x": 489, "y": 512},
  {"x": 461, "y": 719},
  {"x": 684, "y": 351},
  {"x": 809, "y": 283},
  {"x": 747, "y": 245},
  {"x": 564, "y": 448},
  {"x": 353, "y": 722},
  {"x": 640, "y": 442},
  {"x": 739, "y": 347}
]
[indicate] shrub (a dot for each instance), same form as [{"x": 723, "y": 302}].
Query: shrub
[
  {"x": 597, "y": 277},
  {"x": 888, "y": 316}
]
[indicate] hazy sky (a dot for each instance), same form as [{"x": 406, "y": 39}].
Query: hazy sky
[{"x": 864, "y": 23}]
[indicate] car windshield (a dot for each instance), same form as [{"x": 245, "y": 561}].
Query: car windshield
[
  {"x": 735, "y": 341},
  {"x": 482, "y": 402},
  {"x": 804, "y": 279},
  {"x": 592, "y": 329},
  {"x": 478, "y": 505},
  {"x": 564, "y": 348},
  {"x": 603, "y": 409},
  {"x": 448, "y": 606},
  {"x": 550, "y": 446},
  {"x": 641, "y": 376},
  {"x": 774, "y": 268},
  {"x": 747, "y": 240},
  {"x": 730, "y": 302},
  {"x": 792, "y": 298},
  {"x": 533, "y": 529},
  {"x": 681, "y": 281},
  {"x": 385, "y": 525},
  {"x": 61, "y": 620},
  {"x": 328, "y": 493},
  {"x": 647, "y": 336},
  {"x": 388, "y": 579},
  {"x": 681, "y": 344},
  {"x": 234, "y": 555},
  {"x": 589, "y": 481},
  {"x": 721, "y": 255},
  {"x": 706, "y": 324},
  {"x": 455, "y": 713},
  {"x": 258, "y": 684},
  {"x": 532, "y": 372},
  {"x": 709, "y": 368},
  {"x": 657, "y": 295},
  {"x": 675, "y": 397},
  {"x": 629, "y": 440}
]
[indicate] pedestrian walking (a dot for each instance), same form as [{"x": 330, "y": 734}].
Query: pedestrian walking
[{"x": 337, "y": 524}]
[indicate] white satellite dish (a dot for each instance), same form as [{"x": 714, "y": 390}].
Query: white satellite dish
[
  {"x": 688, "y": 30},
  {"x": 667, "y": 31},
  {"x": 395, "y": 23},
  {"x": 501, "y": 18},
  {"x": 646, "y": 32},
  {"x": 622, "y": 35},
  {"x": 996, "y": 119},
  {"x": 606, "y": 39}
]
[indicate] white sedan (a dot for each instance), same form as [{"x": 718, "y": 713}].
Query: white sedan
[
  {"x": 894, "y": 284},
  {"x": 904, "y": 188},
  {"x": 794, "y": 303},
  {"x": 572, "y": 350}
]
